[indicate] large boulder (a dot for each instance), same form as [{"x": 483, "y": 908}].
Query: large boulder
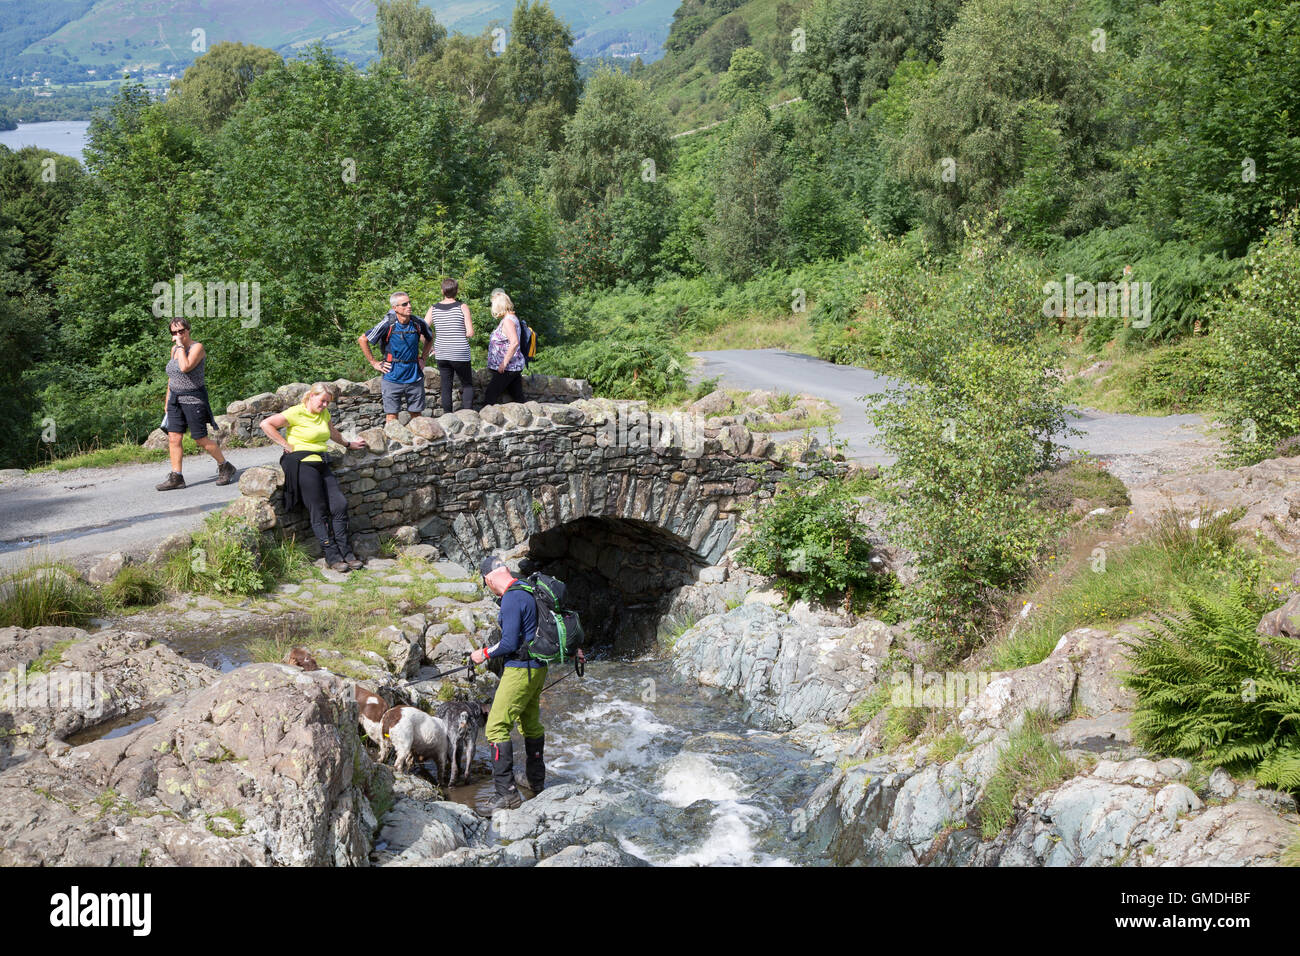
[
  {"x": 786, "y": 672},
  {"x": 107, "y": 567},
  {"x": 1083, "y": 667},
  {"x": 95, "y": 679},
  {"x": 260, "y": 481},
  {"x": 264, "y": 766},
  {"x": 716, "y": 402}
]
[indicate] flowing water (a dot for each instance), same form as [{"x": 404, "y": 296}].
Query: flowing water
[{"x": 706, "y": 789}]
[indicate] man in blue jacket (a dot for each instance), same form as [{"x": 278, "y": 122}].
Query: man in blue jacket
[
  {"x": 399, "y": 334},
  {"x": 518, "y": 695}
]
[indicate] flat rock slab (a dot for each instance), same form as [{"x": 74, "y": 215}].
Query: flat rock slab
[{"x": 452, "y": 571}]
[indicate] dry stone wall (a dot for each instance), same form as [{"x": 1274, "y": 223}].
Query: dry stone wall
[
  {"x": 473, "y": 483},
  {"x": 359, "y": 405}
]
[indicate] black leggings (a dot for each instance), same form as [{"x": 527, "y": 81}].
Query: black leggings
[
  {"x": 328, "y": 508},
  {"x": 511, "y": 383},
  {"x": 466, "y": 377}
]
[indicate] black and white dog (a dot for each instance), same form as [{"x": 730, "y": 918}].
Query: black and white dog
[{"x": 464, "y": 720}]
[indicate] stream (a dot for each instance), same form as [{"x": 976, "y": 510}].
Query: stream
[{"x": 705, "y": 788}]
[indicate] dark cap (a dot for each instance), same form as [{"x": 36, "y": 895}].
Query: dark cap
[{"x": 490, "y": 564}]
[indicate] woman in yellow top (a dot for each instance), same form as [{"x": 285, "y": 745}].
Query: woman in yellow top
[{"x": 307, "y": 475}]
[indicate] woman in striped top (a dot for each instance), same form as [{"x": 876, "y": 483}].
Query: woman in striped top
[{"x": 452, "y": 329}]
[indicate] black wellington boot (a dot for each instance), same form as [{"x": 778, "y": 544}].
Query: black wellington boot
[
  {"x": 535, "y": 768},
  {"x": 503, "y": 777}
]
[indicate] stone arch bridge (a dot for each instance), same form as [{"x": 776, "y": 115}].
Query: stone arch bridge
[{"x": 622, "y": 503}]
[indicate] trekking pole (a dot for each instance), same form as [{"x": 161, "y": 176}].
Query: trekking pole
[
  {"x": 455, "y": 670},
  {"x": 579, "y": 667}
]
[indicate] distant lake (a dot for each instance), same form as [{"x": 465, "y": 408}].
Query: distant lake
[{"x": 63, "y": 136}]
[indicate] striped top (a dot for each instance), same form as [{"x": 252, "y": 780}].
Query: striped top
[{"x": 450, "y": 344}]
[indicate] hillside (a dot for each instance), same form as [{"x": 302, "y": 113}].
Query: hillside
[
  {"x": 65, "y": 39},
  {"x": 698, "y": 51}
]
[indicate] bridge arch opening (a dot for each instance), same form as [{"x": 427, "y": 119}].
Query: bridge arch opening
[{"x": 620, "y": 573}]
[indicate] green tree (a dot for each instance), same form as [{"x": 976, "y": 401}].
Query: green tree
[
  {"x": 23, "y": 316},
  {"x": 964, "y": 445},
  {"x": 1213, "y": 97},
  {"x": 467, "y": 69},
  {"x": 728, "y": 35},
  {"x": 744, "y": 234},
  {"x": 1010, "y": 92},
  {"x": 407, "y": 31},
  {"x": 852, "y": 47},
  {"x": 618, "y": 134},
  {"x": 815, "y": 220},
  {"x": 219, "y": 81},
  {"x": 745, "y": 78},
  {"x": 1256, "y": 328},
  {"x": 541, "y": 74},
  {"x": 38, "y": 189}
]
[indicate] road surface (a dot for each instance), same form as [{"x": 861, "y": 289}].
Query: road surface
[
  {"x": 1135, "y": 448},
  {"x": 70, "y": 515}
]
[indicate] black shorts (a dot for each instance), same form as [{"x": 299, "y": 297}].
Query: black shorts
[{"x": 188, "y": 416}]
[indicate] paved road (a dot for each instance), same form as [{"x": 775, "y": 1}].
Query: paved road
[
  {"x": 72, "y": 514},
  {"x": 1135, "y": 447}
]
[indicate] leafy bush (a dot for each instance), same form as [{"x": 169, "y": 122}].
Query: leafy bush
[
  {"x": 225, "y": 558},
  {"x": 1180, "y": 377},
  {"x": 808, "y": 537},
  {"x": 965, "y": 446},
  {"x": 1260, "y": 340},
  {"x": 1209, "y": 687},
  {"x": 639, "y": 368}
]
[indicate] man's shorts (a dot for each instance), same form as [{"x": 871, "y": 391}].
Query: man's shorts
[
  {"x": 191, "y": 416},
  {"x": 394, "y": 394}
]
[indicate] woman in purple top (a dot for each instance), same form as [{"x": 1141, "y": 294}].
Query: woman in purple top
[{"x": 505, "y": 360}]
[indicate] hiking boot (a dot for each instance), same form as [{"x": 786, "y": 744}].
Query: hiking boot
[
  {"x": 339, "y": 565},
  {"x": 174, "y": 480},
  {"x": 353, "y": 562},
  {"x": 503, "y": 778},
  {"x": 535, "y": 768},
  {"x": 226, "y": 473}
]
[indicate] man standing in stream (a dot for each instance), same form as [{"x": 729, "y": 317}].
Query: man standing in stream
[{"x": 518, "y": 696}]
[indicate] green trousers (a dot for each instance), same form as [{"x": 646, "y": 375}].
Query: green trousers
[{"x": 518, "y": 698}]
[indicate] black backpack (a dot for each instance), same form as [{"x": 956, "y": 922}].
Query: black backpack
[{"x": 559, "y": 632}]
